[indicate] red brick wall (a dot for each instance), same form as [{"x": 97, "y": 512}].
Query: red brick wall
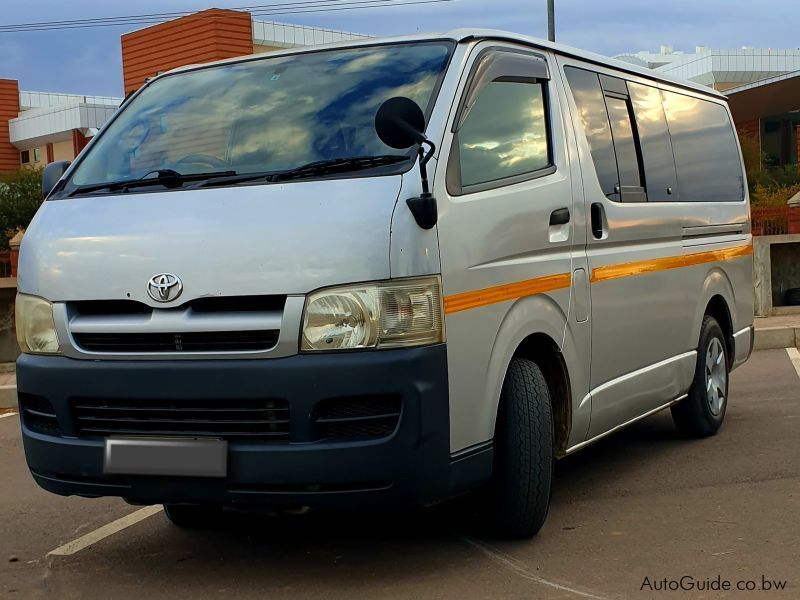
[
  {"x": 205, "y": 36},
  {"x": 9, "y": 109},
  {"x": 797, "y": 137},
  {"x": 78, "y": 142},
  {"x": 749, "y": 128}
]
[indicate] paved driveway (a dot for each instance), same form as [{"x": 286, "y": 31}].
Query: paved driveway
[{"x": 639, "y": 507}]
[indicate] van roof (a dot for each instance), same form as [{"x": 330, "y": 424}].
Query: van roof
[{"x": 473, "y": 34}]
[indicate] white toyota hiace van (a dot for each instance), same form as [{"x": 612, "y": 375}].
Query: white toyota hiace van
[{"x": 382, "y": 272}]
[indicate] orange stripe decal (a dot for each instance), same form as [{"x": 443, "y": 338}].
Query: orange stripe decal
[
  {"x": 550, "y": 283},
  {"x": 640, "y": 267},
  {"x": 509, "y": 291}
]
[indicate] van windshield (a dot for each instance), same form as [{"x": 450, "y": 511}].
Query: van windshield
[{"x": 264, "y": 116}]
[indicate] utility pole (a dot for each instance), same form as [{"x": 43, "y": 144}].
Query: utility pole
[{"x": 551, "y": 21}]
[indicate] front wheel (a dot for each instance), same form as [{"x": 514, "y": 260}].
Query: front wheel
[
  {"x": 519, "y": 494},
  {"x": 701, "y": 413}
]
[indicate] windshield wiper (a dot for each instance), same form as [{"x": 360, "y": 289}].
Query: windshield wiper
[
  {"x": 166, "y": 177},
  {"x": 319, "y": 167},
  {"x": 339, "y": 165}
]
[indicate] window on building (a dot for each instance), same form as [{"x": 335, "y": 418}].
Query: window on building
[
  {"x": 706, "y": 153},
  {"x": 504, "y": 134},
  {"x": 25, "y": 157},
  {"x": 651, "y": 124},
  {"x": 37, "y": 154}
]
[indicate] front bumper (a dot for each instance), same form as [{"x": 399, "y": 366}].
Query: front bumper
[{"x": 411, "y": 466}]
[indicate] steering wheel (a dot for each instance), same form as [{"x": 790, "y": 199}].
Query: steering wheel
[{"x": 203, "y": 160}]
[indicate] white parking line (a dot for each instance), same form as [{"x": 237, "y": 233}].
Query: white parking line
[
  {"x": 105, "y": 531},
  {"x": 10, "y": 386},
  {"x": 8, "y": 415},
  {"x": 504, "y": 560},
  {"x": 794, "y": 356}
]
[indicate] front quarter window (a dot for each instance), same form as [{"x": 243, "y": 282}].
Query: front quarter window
[{"x": 264, "y": 114}]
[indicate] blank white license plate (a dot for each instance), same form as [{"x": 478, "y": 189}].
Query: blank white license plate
[{"x": 203, "y": 457}]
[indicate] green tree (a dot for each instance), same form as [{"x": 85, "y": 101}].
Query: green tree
[{"x": 20, "y": 198}]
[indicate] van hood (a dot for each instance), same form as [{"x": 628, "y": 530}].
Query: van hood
[{"x": 286, "y": 238}]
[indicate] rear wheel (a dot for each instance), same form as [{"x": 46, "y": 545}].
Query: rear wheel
[
  {"x": 701, "y": 413},
  {"x": 519, "y": 494},
  {"x": 192, "y": 516}
]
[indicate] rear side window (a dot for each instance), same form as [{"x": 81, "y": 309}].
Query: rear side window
[
  {"x": 588, "y": 95},
  {"x": 605, "y": 109},
  {"x": 624, "y": 142},
  {"x": 504, "y": 134},
  {"x": 706, "y": 155},
  {"x": 651, "y": 122}
]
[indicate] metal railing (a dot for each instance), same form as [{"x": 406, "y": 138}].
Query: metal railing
[{"x": 5, "y": 263}]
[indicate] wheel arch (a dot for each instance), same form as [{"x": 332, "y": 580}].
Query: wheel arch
[
  {"x": 542, "y": 350},
  {"x": 718, "y": 308},
  {"x": 716, "y": 299},
  {"x": 534, "y": 328}
]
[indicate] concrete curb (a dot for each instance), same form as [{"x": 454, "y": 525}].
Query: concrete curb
[
  {"x": 771, "y": 338},
  {"x": 8, "y": 398}
]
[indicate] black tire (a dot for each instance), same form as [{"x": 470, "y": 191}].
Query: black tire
[
  {"x": 694, "y": 416},
  {"x": 192, "y": 516},
  {"x": 519, "y": 493},
  {"x": 793, "y": 297}
]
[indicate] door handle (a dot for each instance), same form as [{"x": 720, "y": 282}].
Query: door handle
[
  {"x": 559, "y": 216},
  {"x": 599, "y": 228}
]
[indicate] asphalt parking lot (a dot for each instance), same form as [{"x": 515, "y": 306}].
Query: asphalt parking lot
[{"x": 631, "y": 511}]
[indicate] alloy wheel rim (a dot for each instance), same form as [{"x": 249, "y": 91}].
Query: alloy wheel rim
[{"x": 716, "y": 377}]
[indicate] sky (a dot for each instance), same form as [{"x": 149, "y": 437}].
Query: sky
[{"x": 88, "y": 61}]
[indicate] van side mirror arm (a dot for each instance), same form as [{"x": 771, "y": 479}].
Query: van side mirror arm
[{"x": 423, "y": 207}]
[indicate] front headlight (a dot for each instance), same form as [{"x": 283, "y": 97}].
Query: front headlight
[
  {"x": 387, "y": 314},
  {"x": 36, "y": 329}
]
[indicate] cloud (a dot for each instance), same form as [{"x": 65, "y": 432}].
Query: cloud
[{"x": 605, "y": 27}]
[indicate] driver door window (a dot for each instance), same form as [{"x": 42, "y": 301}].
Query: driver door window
[{"x": 504, "y": 135}]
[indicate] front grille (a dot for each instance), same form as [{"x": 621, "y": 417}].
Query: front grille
[
  {"x": 251, "y": 419},
  {"x": 359, "y": 418},
  {"x": 198, "y": 341},
  {"x": 38, "y": 414},
  {"x": 211, "y": 304}
]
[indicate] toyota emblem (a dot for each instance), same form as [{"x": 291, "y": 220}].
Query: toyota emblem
[{"x": 164, "y": 287}]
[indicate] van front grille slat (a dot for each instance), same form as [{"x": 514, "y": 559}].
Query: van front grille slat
[
  {"x": 266, "y": 420},
  {"x": 38, "y": 414},
  {"x": 195, "y": 341},
  {"x": 357, "y": 418},
  {"x": 221, "y": 433},
  {"x": 181, "y": 422},
  {"x": 213, "y": 304}
]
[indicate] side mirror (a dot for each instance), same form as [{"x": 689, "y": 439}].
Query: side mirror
[
  {"x": 52, "y": 174},
  {"x": 400, "y": 124}
]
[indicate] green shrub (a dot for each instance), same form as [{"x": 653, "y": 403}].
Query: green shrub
[
  {"x": 774, "y": 177},
  {"x": 773, "y": 194},
  {"x": 752, "y": 156},
  {"x": 769, "y": 186},
  {"x": 20, "y": 197}
]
